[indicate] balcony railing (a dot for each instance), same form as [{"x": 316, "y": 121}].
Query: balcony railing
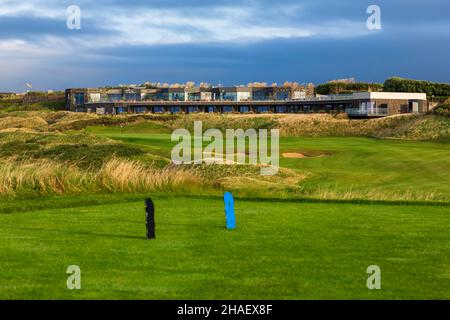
[
  {"x": 367, "y": 112},
  {"x": 331, "y": 97}
]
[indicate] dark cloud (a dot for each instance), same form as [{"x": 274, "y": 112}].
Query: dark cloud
[
  {"x": 414, "y": 42},
  {"x": 32, "y": 27}
]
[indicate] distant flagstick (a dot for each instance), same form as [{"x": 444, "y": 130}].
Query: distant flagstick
[{"x": 25, "y": 99}]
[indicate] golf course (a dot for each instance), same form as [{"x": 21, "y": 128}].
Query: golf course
[{"x": 349, "y": 194}]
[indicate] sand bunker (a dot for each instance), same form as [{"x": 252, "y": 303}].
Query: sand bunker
[
  {"x": 306, "y": 155},
  {"x": 294, "y": 155}
]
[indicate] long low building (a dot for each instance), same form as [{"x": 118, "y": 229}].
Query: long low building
[{"x": 241, "y": 100}]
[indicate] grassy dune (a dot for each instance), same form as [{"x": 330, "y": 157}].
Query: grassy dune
[
  {"x": 408, "y": 127},
  {"x": 30, "y": 178},
  {"x": 67, "y": 153}
]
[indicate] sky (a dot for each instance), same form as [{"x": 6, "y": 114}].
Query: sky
[{"x": 220, "y": 42}]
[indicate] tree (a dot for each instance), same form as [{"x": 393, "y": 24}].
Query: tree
[{"x": 397, "y": 84}]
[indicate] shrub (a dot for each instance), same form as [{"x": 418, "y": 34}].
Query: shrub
[
  {"x": 397, "y": 84},
  {"x": 443, "y": 110},
  {"x": 342, "y": 87},
  {"x": 86, "y": 155}
]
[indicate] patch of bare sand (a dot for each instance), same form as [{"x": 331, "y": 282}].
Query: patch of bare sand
[
  {"x": 293, "y": 155},
  {"x": 306, "y": 154}
]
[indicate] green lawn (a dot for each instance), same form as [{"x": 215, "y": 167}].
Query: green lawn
[
  {"x": 351, "y": 164},
  {"x": 280, "y": 250},
  {"x": 366, "y": 163}
]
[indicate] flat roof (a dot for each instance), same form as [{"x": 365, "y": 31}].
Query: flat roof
[{"x": 390, "y": 95}]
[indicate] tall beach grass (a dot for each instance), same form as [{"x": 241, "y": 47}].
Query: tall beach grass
[{"x": 40, "y": 177}]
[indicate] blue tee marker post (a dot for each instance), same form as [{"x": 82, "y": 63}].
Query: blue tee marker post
[{"x": 229, "y": 210}]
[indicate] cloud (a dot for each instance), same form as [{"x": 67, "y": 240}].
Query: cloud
[
  {"x": 34, "y": 8},
  {"x": 169, "y": 40},
  {"x": 156, "y": 24}
]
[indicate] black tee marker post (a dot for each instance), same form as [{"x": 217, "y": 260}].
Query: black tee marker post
[{"x": 150, "y": 218}]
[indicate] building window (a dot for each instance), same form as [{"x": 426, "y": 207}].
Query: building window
[
  {"x": 164, "y": 96},
  {"x": 193, "y": 96},
  {"x": 175, "y": 109},
  {"x": 177, "y": 96},
  {"x": 95, "y": 97},
  {"x": 150, "y": 97},
  {"x": 244, "y": 109},
  {"x": 140, "y": 109},
  {"x": 114, "y": 97},
  {"x": 158, "y": 109},
  {"x": 281, "y": 109},
  {"x": 131, "y": 97},
  {"x": 79, "y": 98},
  {"x": 243, "y": 96},
  {"x": 229, "y": 96},
  {"x": 227, "y": 109},
  {"x": 261, "y": 95},
  {"x": 282, "y": 95},
  {"x": 120, "y": 110},
  {"x": 263, "y": 109}
]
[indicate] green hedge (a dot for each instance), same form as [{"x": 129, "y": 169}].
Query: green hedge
[
  {"x": 397, "y": 84},
  {"x": 342, "y": 87}
]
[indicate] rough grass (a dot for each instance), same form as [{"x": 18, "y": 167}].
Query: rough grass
[
  {"x": 43, "y": 177},
  {"x": 411, "y": 127},
  {"x": 338, "y": 167},
  {"x": 81, "y": 149},
  {"x": 443, "y": 110},
  {"x": 32, "y": 123},
  {"x": 78, "y": 156},
  {"x": 408, "y": 127},
  {"x": 63, "y": 120}
]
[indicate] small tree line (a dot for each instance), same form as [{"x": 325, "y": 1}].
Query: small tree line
[
  {"x": 394, "y": 84},
  {"x": 436, "y": 89},
  {"x": 347, "y": 87}
]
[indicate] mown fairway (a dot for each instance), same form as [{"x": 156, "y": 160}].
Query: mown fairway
[
  {"x": 279, "y": 250},
  {"x": 338, "y": 165}
]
